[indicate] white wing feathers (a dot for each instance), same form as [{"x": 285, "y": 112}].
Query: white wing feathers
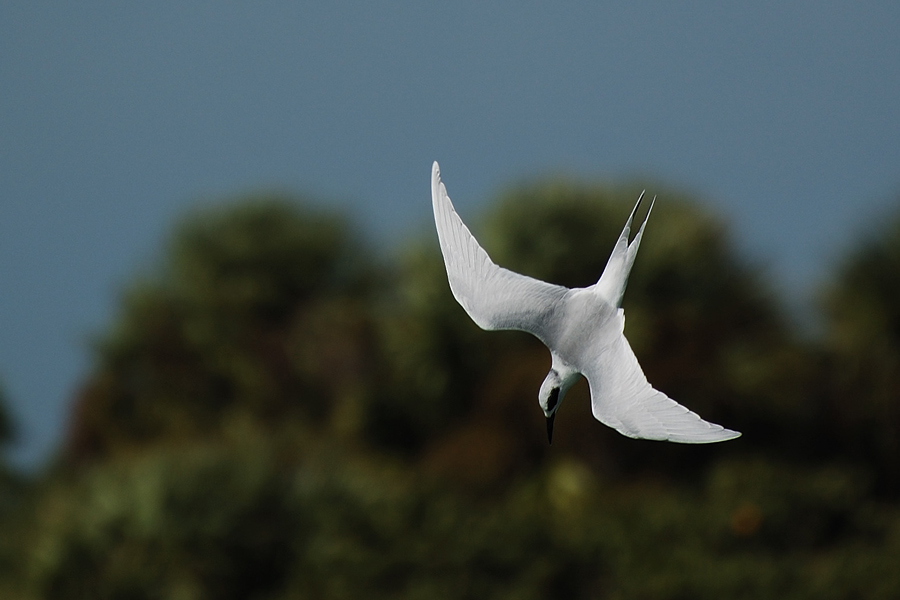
[
  {"x": 615, "y": 276},
  {"x": 494, "y": 297},
  {"x": 622, "y": 398}
]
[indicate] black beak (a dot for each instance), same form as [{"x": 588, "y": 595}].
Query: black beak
[{"x": 550, "y": 428}]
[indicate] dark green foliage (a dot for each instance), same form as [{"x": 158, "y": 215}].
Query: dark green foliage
[
  {"x": 260, "y": 309},
  {"x": 273, "y": 416},
  {"x": 200, "y": 522},
  {"x": 6, "y": 426},
  {"x": 13, "y": 494},
  {"x": 235, "y": 521},
  {"x": 863, "y": 353}
]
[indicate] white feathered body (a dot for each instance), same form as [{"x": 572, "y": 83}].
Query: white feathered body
[{"x": 582, "y": 327}]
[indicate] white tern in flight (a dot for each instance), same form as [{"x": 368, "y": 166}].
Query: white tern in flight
[{"x": 582, "y": 327}]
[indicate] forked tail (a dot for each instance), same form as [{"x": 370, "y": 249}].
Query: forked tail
[{"x": 612, "y": 282}]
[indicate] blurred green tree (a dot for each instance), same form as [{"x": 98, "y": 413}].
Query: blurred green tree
[
  {"x": 273, "y": 415},
  {"x": 234, "y": 520},
  {"x": 259, "y": 309},
  {"x": 6, "y": 425},
  {"x": 197, "y": 521},
  {"x": 862, "y": 306},
  {"x": 14, "y": 493}
]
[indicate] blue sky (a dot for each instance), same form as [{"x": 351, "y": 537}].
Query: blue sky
[{"x": 115, "y": 118}]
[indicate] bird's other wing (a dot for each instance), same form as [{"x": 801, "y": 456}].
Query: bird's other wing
[
  {"x": 622, "y": 398},
  {"x": 495, "y": 298},
  {"x": 612, "y": 282}
]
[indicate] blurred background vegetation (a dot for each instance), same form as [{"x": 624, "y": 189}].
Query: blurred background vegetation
[{"x": 278, "y": 412}]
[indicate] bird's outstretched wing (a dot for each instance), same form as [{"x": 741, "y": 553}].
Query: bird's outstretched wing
[
  {"x": 622, "y": 398},
  {"x": 495, "y": 298}
]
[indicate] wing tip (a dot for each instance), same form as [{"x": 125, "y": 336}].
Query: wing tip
[
  {"x": 717, "y": 433},
  {"x": 435, "y": 174},
  {"x": 438, "y": 190},
  {"x": 730, "y": 435}
]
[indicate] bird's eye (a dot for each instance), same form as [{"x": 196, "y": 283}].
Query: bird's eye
[{"x": 553, "y": 399}]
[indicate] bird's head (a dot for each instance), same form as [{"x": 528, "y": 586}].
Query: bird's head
[{"x": 549, "y": 397}]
